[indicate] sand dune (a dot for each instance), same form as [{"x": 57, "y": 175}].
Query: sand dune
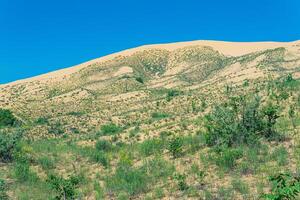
[{"x": 226, "y": 48}]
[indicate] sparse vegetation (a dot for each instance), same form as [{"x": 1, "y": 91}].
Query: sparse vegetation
[{"x": 133, "y": 132}]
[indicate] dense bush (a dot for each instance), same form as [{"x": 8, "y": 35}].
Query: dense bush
[
  {"x": 6, "y": 118},
  {"x": 175, "y": 147},
  {"x": 3, "y": 190},
  {"x": 65, "y": 188},
  {"x": 284, "y": 186},
  {"x": 240, "y": 120},
  {"x": 8, "y": 145}
]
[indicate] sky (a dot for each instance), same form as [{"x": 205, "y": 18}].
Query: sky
[{"x": 39, "y": 36}]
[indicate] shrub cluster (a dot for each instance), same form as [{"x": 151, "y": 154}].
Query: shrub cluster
[
  {"x": 6, "y": 118},
  {"x": 240, "y": 120}
]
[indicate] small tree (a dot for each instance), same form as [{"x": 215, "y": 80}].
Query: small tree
[{"x": 271, "y": 112}]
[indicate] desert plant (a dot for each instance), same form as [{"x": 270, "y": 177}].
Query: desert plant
[
  {"x": 175, "y": 147},
  {"x": 284, "y": 186},
  {"x": 271, "y": 113},
  {"x": 6, "y": 118},
  {"x": 226, "y": 157},
  {"x": 158, "y": 116},
  {"x": 3, "y": 190},
  {"x": 127, "y": 179},
  {"x": 8, "y": 144},
  {"x": 103, "y": 145},
  {"x": 181, "y": 181},
  {"x": 140, "y": 79},
  {"x": 65, "y": 188},
  {"x": 151, "y": 146},
  {"x": 110, "y": 129}
]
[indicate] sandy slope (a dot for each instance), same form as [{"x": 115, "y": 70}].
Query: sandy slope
[{"x": 226, "y": 48}]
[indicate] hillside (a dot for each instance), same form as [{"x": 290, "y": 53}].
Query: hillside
[{"x": 169, "y": 121}]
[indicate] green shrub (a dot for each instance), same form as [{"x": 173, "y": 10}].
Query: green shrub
[
  {"x": 127, "y": 179},
  {"x": 99, "y": 157},
  {"x": 181, "y": 181},
  {"x": 110, "y": 129},
  {"x": 280, "y": 154},
  {"x": 103, "y": 145},
  {"x": 158, "y": 168},
  {"x": 65, "y": 188},
  {"x": 175, "y": 147},
  {"x": 56, "y": 129},
  {"x": 46, "y": 162},
  {"x": 172, "y": 93},
  {"x": 151, "y": 146},
  {"x": 140, "y": 79},
  {"x": 226, "y": 157},
  {"x": 6, "y": 118},
  {"x": 284, "y": 186},
  {"x": 240, "y": 121},
  {"x": 159, "y": 116},
  {"x": 199, "y": 175},
  {"x": 8, "y": 145},
  {"x": 240, "y": 186},
  {"x": 42, "y": 121},
  {"x": 22, "y": 172},
  {"x": 3, "y": 190}
]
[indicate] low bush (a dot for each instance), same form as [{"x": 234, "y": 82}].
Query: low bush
[
  {"x": 127, "y": 179},
  {"x": 3, "y": 190},
  {"x": 159, "y": 116},
  {"x": 65, "y": 188},
  {"x": 240, "y": 121},
  {"x": 284, "y": 186},
  {"x": 172, "y": 93},
  {"x": 22, "y": 171},
  {"x": 110, "y": 129},
  {"x": 181, "y": 181},
  {"x": 46, "y": 162},
  {"x": 8, "y": 144},
  {"x": 226, "y": 157},
  {"x": 99, "y": 157},
  {"x": 176, "y": 147},
  {"x": 6, "y": 118},
  {"x": 151, "y": 146},
  {"x": 103, "y": 145}
]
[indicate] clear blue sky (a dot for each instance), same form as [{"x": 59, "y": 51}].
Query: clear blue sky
[{"x": 38, "y": 36}]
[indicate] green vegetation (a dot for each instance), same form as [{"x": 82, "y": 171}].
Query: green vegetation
[
  {"x": 6, "y": 118},
  {"x": 8, "y": 144},
  {"x": 147, "y": 135},
  {"x": 65, "y": 188},
  {"x": 175, "y": 147},
  {"x": 158, "y": 116},
  {"x": 284, "y": 186},
  {"x": 110, "y": 129},
  {"x": 3, "y": 190}
]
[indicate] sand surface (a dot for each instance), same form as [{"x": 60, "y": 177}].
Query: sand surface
[{"x": 226, "y": 48}]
